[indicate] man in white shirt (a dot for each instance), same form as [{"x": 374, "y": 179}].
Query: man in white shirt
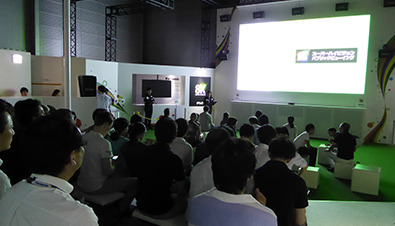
[
  {"x": 103, "y": 100},
  {"x": 303, "y": 146},
  {"x": 206, "y": 121},
  {"x": 265, "y": 134},
  {"x": 96, "y": 171},
  {"x": 44, "y": 198},
  {"x": 182, "y": 148}
]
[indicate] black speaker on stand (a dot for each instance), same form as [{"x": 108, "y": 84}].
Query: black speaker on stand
[{"x": 87, "y": 84}]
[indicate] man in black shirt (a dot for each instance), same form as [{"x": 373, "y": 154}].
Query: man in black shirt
[
  {"x": 162, "y": 185},
  {"x": 286, "y": 192},
  {"x": 346, "y": 146},
  {"x": 148, "y": 102}
]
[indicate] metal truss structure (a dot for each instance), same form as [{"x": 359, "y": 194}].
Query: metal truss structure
[
  {"x": 205, "y": 60},
  {"x": 73, "y": 28}
]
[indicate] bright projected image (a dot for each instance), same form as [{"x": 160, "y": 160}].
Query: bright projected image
[{"x": 327, "y": 55}]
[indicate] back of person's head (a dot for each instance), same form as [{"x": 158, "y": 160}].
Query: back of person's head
[
  {"x": 55, "y": 92},
  {"x": 136, "y": 130},
  {"x": 231, "y": 121},
  {"x": 102, "y": 89},
  {"x": 258, "y": 113},
  {"x": 6, "y": 126},
  {"x": 226, "y": 115},
  {"x": 65, "y": 114},
  {"x": 291, "y": 120},
  {"x": 26, "y": 111},
  {"x": 97, "y": 111},
  {"x": 193, "y": 116},
  {"x": 103, "y": 117},
  {"x": 253, "y": 120},
  {"x": 233, "y": 163},
  {"x": 205, "y": 108},
  {"x": 282, "y": 148},
  {"x": 309, "y": 127},
  {"x": 345, "y": 127},
  {"x": 120, "y": 124},
  {"x": 332, "y": 129},
  {"x": 215, "y": 137},
  {"x": 182, "y": 126},
  {"x": 135, "y": 119},
  {"x": 23, "y": 90},
  {"x": 165, "y": 130},
  {"x": 282, "y": 130},
  {"x": 266, "y": 133},
  {"x": 263, "y": 119},
  {"x": 166, "y": 112},
  {"x": 247, "y": 130},
  {"x": 51, "y": 141}
]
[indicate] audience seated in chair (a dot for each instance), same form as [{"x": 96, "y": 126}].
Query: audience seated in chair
[
  {"x": 201, "y": 175},
  {"x": 345, "y": 144},
  {"x": 119, "y": 136},
  {"x": 162, "y": 185},
  {"x": 224, "y": 119},
  {"x": 303, "y": 146},
  {"x": 95, "y": 176},
  {"x": 286, "y": 192},
  {"x": 17, "y": 159},
  {"x": 265, "y": 134},
  {"x": 44, "y": 198},
  {"x": 131, "y": 152},
  {"x": 182, "y": 148},
  {"x": 194, "y": 135},
  {"x": 233, "y": 163},
  {"x": 292, "y": 129},
  {"x": 247, "y": 133},
  {"x": 206, "y": 121},
  {"x": 6, "y": 134},
  {"x": 230, "y": 126}
]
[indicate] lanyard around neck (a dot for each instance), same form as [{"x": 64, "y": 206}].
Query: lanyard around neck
[{"x": 33, "y": 180}]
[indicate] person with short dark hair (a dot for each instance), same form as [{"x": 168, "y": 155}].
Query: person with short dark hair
[
  {"x": 247, "y": 133},
  {"x": 209, "y": 101},
  {"x": 345, "y": 144},
  {"x": 166, "y": 112},
  {"x": 263, "y": 120},
  {"x": 332, "y": 133},
  {"x": 206, "y": 121},
  {"x": 119, "y": 136},
  {"x": 258, "y": 113},
  {"x": 194, "y": 134},
  {"x": 56, "y": 93},
  {"x": 135, "y": 119},
  {"x": 148, "y": 106},
  {"x": 6, "y": 134},
  {"x": 180, "y": 147},
  {"x": 285, "y": 192},
  {"x": 201, "y": 175},
  {"x": 224, "y": 118},
  {"x": 233, "y": 163},
  {"x": 132, "y": 151},
  {"x": 103, "y": 100},
  {"x": 230, "y": 126},
  {"x": 44, "y": 197},
  {"x": 24, "y": 91},
  {"x": 292, "y": 129},
  {"x": 159, "y": 172},
  {"x": 303, "y": 146},
  {"x": 265, "y": 134},
  {"x": 95, "y": 176},
  {"x": 253, "y": 120}
]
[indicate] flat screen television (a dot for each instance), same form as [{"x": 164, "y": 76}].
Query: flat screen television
[{"x": 160, "y": 88}]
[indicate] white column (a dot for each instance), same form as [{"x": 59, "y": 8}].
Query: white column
[{"x": 66, "y": 54}]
